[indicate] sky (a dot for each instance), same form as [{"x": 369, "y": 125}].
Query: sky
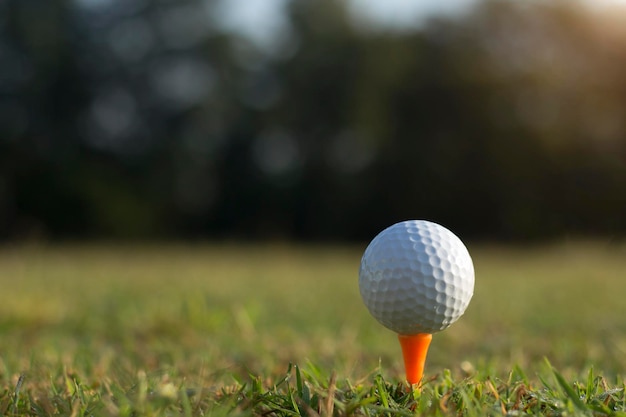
[
  {"x": 405, "y": 12},
  {"x": 391, "y": 12},
  {"x": 262, "y": 19},
  {"x": 264, "y": 22}
]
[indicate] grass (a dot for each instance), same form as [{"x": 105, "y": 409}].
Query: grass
[{"x": 277, "y": 330}]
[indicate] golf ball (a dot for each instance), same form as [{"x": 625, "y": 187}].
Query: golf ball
[{"x": 416, "y": 277}]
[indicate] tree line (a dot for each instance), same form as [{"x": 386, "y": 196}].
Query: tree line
[{"x": 144, "y": 119}]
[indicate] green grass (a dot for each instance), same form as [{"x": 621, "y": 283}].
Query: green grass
[{"x": 279, "y": 330}]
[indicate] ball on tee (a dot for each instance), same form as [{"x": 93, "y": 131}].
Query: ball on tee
[{"x": 416, "y": 277}]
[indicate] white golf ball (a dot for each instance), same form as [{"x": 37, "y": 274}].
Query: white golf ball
[{"x": 416, "y": 277}]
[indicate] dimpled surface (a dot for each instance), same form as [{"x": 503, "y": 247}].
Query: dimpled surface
[{"x": 416, "y": 277}]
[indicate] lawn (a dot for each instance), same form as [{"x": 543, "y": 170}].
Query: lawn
[{"x": 281, "y": 330}]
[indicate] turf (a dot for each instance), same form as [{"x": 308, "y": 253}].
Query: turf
[{"x": 278, "y": 330}]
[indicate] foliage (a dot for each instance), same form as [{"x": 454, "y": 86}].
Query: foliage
[{"x": 143, "y": 118}]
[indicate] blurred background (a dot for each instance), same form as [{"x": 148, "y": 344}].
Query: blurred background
[{"x": 311, "y": 120}]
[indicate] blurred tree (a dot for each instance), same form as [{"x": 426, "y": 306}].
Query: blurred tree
[{"x": 144, "y": 118}]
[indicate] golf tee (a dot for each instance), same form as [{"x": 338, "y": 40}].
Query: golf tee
[{"x": 414, "y": 350}]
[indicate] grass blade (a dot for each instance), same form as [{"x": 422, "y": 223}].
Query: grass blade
[{"x": 569, "y": 391}]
